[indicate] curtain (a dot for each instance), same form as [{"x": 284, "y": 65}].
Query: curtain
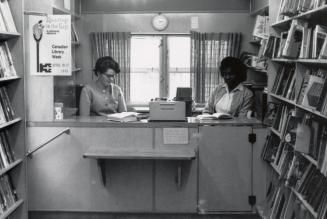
[
  {"x": 207, "y": 50},
  {"x": 118, "y": 46}
]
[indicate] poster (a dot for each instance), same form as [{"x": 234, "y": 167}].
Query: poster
[{"x": 50, "y": 45}]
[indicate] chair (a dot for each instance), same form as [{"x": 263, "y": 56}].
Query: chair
[{"x": 78, "y": 90}]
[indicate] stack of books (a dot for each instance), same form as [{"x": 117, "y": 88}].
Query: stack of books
[
  {"x": 7, "y": 23},
  {"x": 7, "y": 68},
  {"x": 8, "y": 195},
  {"x": 6, "y": 111},
  {"x": 7, "y": 155}
]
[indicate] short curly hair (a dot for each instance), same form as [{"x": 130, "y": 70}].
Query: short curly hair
[
  {"x": 236, "y": 66},
  {"x": 105, "y": 63}
]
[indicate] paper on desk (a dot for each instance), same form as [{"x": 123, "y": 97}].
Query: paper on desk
[{"x": 175, "y": 135}]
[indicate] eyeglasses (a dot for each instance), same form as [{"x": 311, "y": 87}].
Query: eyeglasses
[{"x": 109, "y": 75}]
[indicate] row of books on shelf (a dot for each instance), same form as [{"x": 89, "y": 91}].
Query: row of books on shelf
[
  {"x": 290, "y": 8},
  {"x": 285, "y": 202},
  {"x": 7, "y": 68},
  {"x": 7, "y": 23},
  {"x": 306, "y": 135},
  {"x": 6, "y": 110},
  {"x": 299, "y": 180},
  {"x": 8, "y": 195},
  {"x": 300, "y": 41},
  {"x": 306, "y": 180},
  {"x": 306, "y": 86},
  {"x": 7, "y": 155}
]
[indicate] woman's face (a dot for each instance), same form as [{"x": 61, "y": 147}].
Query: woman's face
[
  {"x": 108, "y": 77},
  {"x": 230, "y": 77}
]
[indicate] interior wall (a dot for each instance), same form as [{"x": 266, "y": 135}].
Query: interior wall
[
  {"x": 258, "y": 4},
  {"x": 141, "y": 23},
  {"x": 137, "y": 6}
]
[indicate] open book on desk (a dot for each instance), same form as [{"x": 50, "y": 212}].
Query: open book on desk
[
  {"x": 215, "y": 116},
  {"x": 123, "y": 117}
]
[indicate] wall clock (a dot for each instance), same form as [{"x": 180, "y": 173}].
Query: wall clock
[{"x": 160, "y": 22}]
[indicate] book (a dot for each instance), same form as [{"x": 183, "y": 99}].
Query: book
[
  {"x": 270, "y": 148},
  {"x": 303, "y": 136},
  {"x": 294, "y": 39},
  {"x": 270, "y": 113},
  {"x": 282, "y": 41},
  {"x": 7, "y": 16},
  {"x": 313, "y": 91},
  {"x": 261, "y": 27},
  {"x": 323, "y": 51},
  {"x": 319, "y": 36},
  {"x": 122, "y": 117},
  {"x": 215, "y": 116}
]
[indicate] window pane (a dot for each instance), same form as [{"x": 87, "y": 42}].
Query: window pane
[
  {"x": 145, "y": 61},
  {"x": 178, "y": 80},
  {"x": 179, "y": 63}
]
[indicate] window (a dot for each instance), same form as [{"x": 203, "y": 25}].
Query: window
[
  {"x": 159, "y": 64},
  {"x": 179, "y": 63},
  {"x": 145, "y": 66}
]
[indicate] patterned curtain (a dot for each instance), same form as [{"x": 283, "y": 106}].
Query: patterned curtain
[
  {"x": 118, "y": 46},
  {"x": 207, "y": 50}
]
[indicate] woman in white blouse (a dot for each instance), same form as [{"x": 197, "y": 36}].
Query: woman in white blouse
[{"x": 231, "y": 97}]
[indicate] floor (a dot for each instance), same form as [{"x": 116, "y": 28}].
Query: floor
[{"x": 83, "y": 215}]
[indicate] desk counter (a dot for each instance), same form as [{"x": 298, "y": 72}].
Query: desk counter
[
  {"x": 100, "y": 121},
  {"x": 215, "y": 169}
]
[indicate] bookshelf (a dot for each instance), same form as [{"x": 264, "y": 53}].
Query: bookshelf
[
  {"x": 254, "y": 61},
  {"x": 300, "y": 120},
  {"x": 12, "y": 137},
  {"x": 65, "y": 87}
]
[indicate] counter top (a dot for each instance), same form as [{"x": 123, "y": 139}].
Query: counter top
[{"x": 100, "y": 121}]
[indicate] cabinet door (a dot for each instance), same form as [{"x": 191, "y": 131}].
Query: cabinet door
[
  {"x": 260, "y": 167},
  {"x": 224, "y": 168},
  {"x": 59, "y": 178},
  {"x": 169, "y": 197}
]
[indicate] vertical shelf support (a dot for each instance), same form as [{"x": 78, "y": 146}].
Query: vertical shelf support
[
  {"x": 102, "y": 169},
  {"x": 179, "y": 175}
]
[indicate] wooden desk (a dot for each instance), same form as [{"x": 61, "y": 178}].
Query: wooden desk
[
  {"x": 143, "y": 180},
  {"x": 105, "y": 153}
]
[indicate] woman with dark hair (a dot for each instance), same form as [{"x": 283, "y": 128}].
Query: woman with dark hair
[
  {"x": 231, "y": 97},
  {"x": 103, "y": 96}
]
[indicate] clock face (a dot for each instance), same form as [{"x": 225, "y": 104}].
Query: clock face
[{"x": 160, "y": 22}]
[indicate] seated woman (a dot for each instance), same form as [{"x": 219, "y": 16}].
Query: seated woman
[
  {"x": 231, "y": 97},
  {"x": 102, "y": 96}
]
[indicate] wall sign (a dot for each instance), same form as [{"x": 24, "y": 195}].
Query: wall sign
[{"x": 50, "y": 45}]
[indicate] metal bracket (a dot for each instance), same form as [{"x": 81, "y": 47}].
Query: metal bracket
[
  {"x": 252, "y": 138},
  {"x": 252, "y": 200},
  {"x": 102, "y": 168},
  {"x": 179, "y": 175},
  {"x": 31, "y": 151}
]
